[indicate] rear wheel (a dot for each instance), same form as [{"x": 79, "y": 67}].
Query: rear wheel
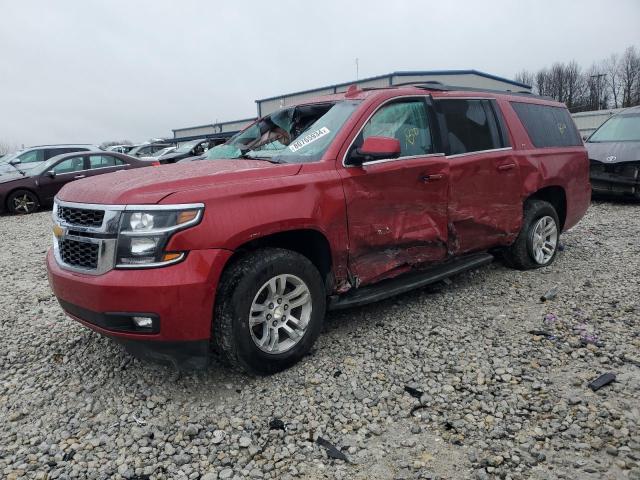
[
  {"x": 537, "y": 243},
  {"x": 22, "y": 202},
  {"x": 269, "y": 310}
]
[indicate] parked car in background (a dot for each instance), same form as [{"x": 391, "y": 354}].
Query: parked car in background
[
  {"x": 157, "y": 155},
  {"x": 147, "y": 149},
  {"x": 614, "y": 154},
  {"x": 24, "y": 192},
  {"x": 120, "y": 148},
  {"x": 346, "y": 199},
  {"x": 32, "y": 157},
  {"x": 194, "y": 148}
]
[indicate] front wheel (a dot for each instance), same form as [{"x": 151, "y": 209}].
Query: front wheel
[
  {"x": 22, "y": 202},
  {"x": 537, "y": 243},
  {"x": 269, "y": 310}
]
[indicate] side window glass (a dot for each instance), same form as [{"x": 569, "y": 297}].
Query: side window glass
[
  {"x": 32, "y": 156},
  {"x": 405, "y": 121},
  {"x": 548, "y": 126},
  {"x": 101, "y": 161},
  {"x": 69, "y": 165},
  {"x": 469, "y": 128}
]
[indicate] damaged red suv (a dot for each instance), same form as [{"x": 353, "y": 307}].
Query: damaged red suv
[{"x": 340, "y": 201}]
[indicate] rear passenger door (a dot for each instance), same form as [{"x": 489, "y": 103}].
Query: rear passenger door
[{"x": 485, "y": 208}]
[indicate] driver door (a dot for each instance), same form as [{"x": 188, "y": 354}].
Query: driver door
[
  {"x": 397, "y": 207},
  {"x": 66, "y": 171}
]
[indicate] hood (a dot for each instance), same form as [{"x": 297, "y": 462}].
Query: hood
[
  {"x": 623, "y": 151},
  {"x": 149, "y": 185},
  {"x": 11, "y": 176},
  {"x": 6, "y": 167}
]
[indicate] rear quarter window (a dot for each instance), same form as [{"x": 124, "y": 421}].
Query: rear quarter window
[{"x": 548, "y": 126}]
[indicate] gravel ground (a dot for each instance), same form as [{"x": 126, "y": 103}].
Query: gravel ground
[{"x": 493, "y": 399}]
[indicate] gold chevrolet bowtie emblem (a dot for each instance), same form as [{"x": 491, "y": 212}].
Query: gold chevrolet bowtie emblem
[{"x": 58, "y": 231}]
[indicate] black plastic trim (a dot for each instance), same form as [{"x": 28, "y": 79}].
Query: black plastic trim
[{"x": 113, "y": 321}]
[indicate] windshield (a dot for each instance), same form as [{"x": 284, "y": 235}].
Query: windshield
[
  {"x": 620, "y": 128},
  {"x": 293, "y": 135},
  {"x": 186, "y": 147}
]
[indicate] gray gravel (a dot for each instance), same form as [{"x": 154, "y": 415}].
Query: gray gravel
[{"x": 494, "y": 399}]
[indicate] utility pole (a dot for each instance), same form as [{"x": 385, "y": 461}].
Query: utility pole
[
  {"x": 598, "y": 76},
  {"x": 357, "y": 77}
]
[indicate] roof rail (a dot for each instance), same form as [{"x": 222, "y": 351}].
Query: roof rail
[{"x": 438, "y": 86}]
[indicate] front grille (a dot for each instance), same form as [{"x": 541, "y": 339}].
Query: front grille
[
  {"x": 80, "y": 216},
  {"x": 79, "y": 254}
]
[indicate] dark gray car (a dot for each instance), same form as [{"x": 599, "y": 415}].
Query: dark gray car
[{"x": 614, "y": 152}]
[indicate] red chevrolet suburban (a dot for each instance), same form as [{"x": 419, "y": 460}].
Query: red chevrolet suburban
[{"x": 333, "y": 203}]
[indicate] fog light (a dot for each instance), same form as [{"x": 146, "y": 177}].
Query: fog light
[{"x": 143, "y": 322}]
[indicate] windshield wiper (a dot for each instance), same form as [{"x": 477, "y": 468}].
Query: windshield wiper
[{"x": 21, "y": 172}]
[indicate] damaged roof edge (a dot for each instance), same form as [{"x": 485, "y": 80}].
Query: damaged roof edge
[{"x": 400, "y": 74}]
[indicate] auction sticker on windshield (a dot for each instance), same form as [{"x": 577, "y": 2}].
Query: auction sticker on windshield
[{"x": 309, "y": 138}]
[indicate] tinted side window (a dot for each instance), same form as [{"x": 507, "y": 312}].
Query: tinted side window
[
  {"x": 102, "y": 161},
  {"x": 471, "y": 125},
  {"x": 548, "y": 126},
  {"x": 405, "y": 121}
]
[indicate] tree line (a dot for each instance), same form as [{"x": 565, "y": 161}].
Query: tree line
[{"x": 610, "y": 83}]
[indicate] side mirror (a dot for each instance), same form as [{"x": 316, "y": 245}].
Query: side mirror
[
  {"x": 51, "y": 173},
  {"x": 375, "y": 148},
  {"x": 585, "y": 137},
  {"x": 15, "y": 161}
]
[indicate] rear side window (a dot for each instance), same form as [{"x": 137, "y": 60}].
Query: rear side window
[
  {"x": 471, "y": 126},
  {"x": 548, "y": 126},
  {"x": 102, "y": 161}
]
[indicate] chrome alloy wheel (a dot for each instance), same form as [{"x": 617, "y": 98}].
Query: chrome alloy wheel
[
  {"x": 280, "y": 314},
  {"x": 544, "y": 240},
  {"x": 23, "y": 204}
]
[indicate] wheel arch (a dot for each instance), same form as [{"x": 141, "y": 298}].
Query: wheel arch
[
  {"x": 308, "y": 242},
  {"x": 557, "y": 197}
]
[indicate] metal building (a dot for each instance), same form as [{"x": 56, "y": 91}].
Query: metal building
[
  {"x": 213, "y": 130},
  {"x": 459, "y": 78}
]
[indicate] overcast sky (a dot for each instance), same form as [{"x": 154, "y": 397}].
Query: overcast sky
[{"x": 91, "y": 71}]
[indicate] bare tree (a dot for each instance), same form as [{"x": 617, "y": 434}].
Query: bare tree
[
  {"x": 525, "y": 77},
  {"x": 629, "y": 76},
  {"x": 7, "y": 147},
  {"x": 611, "y": 66},
  {"x": 542, "y": 86}
]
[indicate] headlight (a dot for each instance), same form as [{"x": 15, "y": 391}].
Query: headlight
[{"x": 144, "y": 234}]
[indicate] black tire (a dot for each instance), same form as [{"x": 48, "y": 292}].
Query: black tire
[
  {"x": 239, "y": 285},
  {"x": 22, "y": 202},
  {"x": 520, "y": 255}
]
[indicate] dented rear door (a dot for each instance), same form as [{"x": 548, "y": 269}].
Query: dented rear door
[{"x": 397, "y": 208}]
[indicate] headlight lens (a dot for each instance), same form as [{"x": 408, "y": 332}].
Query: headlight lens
[{"x": 144, "y": 235}]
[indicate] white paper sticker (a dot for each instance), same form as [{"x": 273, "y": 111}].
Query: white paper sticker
[{"x": 309, "y": 138}]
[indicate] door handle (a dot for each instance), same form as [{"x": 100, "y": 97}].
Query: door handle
[
  {"x": 432, "y": 178},
  {"x": 78, "y": 177},
  {"x": 506, "y": 166}
]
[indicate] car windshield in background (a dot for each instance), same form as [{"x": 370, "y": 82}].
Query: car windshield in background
[
  {"x": 294, "y": 135},
  {"x": 186, "y": 147},
  {"x": 621, "y": 128}
]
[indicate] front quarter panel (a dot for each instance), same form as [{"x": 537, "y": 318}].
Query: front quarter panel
[{"x": 240, "y": 213}]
